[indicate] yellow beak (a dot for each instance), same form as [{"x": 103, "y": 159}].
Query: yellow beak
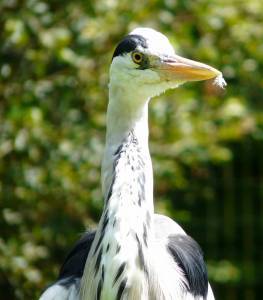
[{"x": 180, "y": 68}]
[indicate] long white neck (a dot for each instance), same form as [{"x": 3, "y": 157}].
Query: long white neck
[
  {"x": 127, "y": 115},
  {"x": 125, "y": 228}
]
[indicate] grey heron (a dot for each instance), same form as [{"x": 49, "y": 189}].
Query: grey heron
[{"x": 136, "y": 254}]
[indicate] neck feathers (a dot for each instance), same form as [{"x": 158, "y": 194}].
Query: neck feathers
[
  {"x": 117, "y": 263},
  {"x": 127, "y": 131},
  {"x": 131, "y": 175}
]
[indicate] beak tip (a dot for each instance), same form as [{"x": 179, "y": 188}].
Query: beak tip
[{"x": 220, "y": 81}]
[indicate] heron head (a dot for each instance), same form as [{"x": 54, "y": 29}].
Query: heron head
[{"x": 145, "y": 63}]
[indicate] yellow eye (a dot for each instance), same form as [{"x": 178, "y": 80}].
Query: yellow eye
[{"x": 137, "y": 57}]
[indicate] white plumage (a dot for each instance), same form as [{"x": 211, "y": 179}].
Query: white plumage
[{"x": 136, "y": 254}]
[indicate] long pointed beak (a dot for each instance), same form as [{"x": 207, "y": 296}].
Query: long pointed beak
[{"x": 180, "y": 68}]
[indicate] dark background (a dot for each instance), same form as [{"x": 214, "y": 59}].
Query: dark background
[{"x": 206, "y": 143}]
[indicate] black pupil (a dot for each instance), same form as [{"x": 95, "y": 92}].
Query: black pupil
[{"x": 137, "y": 57}]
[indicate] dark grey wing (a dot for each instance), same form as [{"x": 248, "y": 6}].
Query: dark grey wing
[
  {"x": 189, "y": 257},
  {"x": 75, "y": 261},
  {"x": 187, "y": 254},
  {"x": 68, "y": 284}
]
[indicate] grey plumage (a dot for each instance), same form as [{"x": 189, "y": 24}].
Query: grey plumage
[
  {"x": 188, "y": 255},
  {"x": 74, "y": 263},
  {"x": 184, "y": 250}
]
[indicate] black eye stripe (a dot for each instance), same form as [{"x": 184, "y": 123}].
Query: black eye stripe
[{"x": 129, "y": 44}]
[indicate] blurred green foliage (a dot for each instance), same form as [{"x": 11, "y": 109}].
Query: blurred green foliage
[{"x": 206, "y": 143}]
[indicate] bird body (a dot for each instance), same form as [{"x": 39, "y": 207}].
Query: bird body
[{"x": 135, "y": 254}]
